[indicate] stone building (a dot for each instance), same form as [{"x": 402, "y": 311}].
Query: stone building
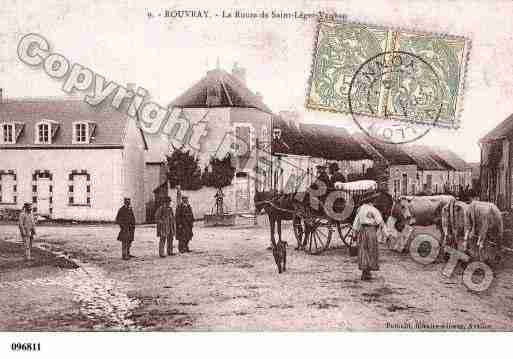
[{"x": 70, "y": 160}]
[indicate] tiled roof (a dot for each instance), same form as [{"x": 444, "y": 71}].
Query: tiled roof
[
  {"x": 233, "y": 93},
  {"x": 425, "y": 159},
  {"x": 451, "y": 158},
  {"x": 393, "y": 154},
  {"x": 110, "y": 123},
  {"x": 329, "y": 142}
]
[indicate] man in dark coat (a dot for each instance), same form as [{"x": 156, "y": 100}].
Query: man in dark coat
[
  {"x": 322, "y": 179},
  {"x": 184, "y": 224},
  {"x": 165, "y": 227},
  {"x": 126, "y": 221}
]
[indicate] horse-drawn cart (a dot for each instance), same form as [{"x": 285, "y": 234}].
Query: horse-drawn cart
[
  {"x": 313, "y": 225},
  {"x": 314, "y": 231}
]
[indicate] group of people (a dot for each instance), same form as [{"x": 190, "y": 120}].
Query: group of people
[
  {"x": 169, "y": 227},
  {"x": 329, "y": 177}
]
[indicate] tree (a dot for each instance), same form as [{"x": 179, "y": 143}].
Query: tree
[
  {"x": 221, "y": 173},
  {"x": 183, "y": 169}
]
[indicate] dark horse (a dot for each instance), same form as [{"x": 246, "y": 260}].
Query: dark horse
[
  {"x": 285, "y": 207},
  {"x": 278, "y": 207}
]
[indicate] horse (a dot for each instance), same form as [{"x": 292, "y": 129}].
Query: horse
[{"x": 278, "y": 208}]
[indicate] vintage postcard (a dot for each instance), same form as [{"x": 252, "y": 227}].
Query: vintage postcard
[
  {"x": 161, "y": 171},
  {"x": 410, "y": 76}
]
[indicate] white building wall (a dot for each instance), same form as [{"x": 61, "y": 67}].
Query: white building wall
[
  {"x": 133, "y": 166},
  {"x": 103, "y": 165}
]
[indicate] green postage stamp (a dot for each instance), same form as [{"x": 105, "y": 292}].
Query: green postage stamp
[{"x": 387, "y": 73}]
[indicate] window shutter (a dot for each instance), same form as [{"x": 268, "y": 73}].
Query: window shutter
[
  {"x": 18, "y": 130},
  {"x": 92, "y": 129},
  {"x": 54, "y": 127}
]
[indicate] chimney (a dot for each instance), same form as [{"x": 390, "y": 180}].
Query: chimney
[{"x": 239, "y": 73}]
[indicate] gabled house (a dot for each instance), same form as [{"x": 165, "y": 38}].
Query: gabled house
[{"x": 72, "y": 161}]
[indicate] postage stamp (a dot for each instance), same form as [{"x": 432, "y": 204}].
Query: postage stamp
[
  {"x": 413, "y": 77},
  {"x": 382, "y": 87}
]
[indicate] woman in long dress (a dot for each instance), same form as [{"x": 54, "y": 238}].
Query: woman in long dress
[{"x": 367, "y": 224}]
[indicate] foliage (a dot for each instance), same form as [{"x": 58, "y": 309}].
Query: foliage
[
  {"x": 183, "y": 169},
  {"x": 221, "y": 173}
]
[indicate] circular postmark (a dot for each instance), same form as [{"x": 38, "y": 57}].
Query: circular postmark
[{"x": 400, "y": 88}]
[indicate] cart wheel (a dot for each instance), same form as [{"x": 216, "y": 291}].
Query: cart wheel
[
  {"x": 299, "y": 231},
  {"x": 346, "y": 233},
  {"x": 318, "y": 236}
]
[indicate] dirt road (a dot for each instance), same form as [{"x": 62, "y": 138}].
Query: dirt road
[{"x": 230, "y": 282}]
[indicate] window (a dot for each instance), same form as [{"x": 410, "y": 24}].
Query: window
[
  {"x": 8, "y": 187},
  {"x": 80, "y": 132},
  {"x": 43, "y": 133},
  {"x": 7, "y": 133},
  {"x": 243, "y": 145},
  {"x": 79, "y": 188}
]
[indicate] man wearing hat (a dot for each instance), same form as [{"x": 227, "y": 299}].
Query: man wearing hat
[
  {"x": 27, "y": 226},
  {"x": 126, "y": 221},
  {"x": 165, "y": 227},
  {"x": 184, "y": 224},
  {"x": 322, "y": 179},
  {"x": 334, "y": 175}
]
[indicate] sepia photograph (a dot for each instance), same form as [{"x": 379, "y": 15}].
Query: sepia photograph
[{"x": 318, "y": 168}]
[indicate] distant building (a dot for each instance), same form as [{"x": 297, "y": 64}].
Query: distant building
[
  {"x": 399, "y": 169},
  {"x": 460, "y": 172},
  {"x": 414, "y": 169},
  {"x": 70, "y": 160}
]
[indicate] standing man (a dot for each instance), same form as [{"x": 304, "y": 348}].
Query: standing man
[
  {"x": 126, "y": 221},
  {"x": 366, "y": 224},
  {"x": 165, "y": 227},
  {"x": 27, "y": 226},
  {"x": 184, "y": 224}
]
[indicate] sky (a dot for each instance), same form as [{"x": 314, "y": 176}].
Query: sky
[{"x": 166, "y": 56}]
